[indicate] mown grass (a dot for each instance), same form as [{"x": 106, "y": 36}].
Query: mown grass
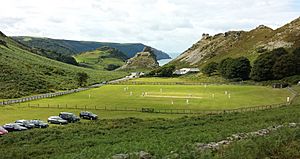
[
  {"x": 104, "y": 138},
  {"x": 201, "y": 97}
]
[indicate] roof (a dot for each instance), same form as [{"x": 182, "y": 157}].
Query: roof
[{"x": 185, "y": 71}]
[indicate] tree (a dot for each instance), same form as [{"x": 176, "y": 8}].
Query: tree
[
  {"x": 210, "y": 68},
  {"x": 82, "y": 78},
  {"x": 285, "y": 66},
  {"x": 165, "y": 71},
  {"x": 263, "y": 66},
  {"x": 224, "y": 66},
  {"x": 296, "y": 54},
  {"x": 238, "y": 68},
  {"x": 111, "y": 67}
]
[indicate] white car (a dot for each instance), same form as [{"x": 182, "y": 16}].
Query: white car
[{"x": 57, "y": 120}]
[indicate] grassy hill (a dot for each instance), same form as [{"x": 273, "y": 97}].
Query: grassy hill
[
  {"x": 240, "y": 43},
  {"x": 104, "y": 58},
  {"x": 23, "y": 72},
  {"x": 71, "y": 47}
]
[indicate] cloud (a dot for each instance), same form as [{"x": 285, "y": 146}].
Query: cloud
[
  {"x": 10, "y": 21},
  {"x": 169, "y": 25}
]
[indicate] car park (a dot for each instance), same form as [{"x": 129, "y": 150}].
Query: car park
[
  {"x": 39, "y": 123},
  {"x": 57, "y": 120},
  {"x": 70, "y": 117},
  {"x": 25, "y": 123},
  {"x": 3, "y": 131},
  {"x": 88, "y": 115},
  {"x": 14, "y": 127}
]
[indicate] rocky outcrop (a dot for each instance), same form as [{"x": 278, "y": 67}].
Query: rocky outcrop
[
  {"x": 240, "y": 136},
  {"x": 138, "y": 155},
  {"x": 240, "y": 43},
  {"x": 142, "y": 60}
]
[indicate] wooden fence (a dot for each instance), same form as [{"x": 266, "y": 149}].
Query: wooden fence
[{"x": 159, "y": 110}]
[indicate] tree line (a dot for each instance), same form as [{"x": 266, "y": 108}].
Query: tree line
[{"x": 273, "y": 65}]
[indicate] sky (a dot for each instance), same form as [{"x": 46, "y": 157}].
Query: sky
[{"x": 168, "y": 25}]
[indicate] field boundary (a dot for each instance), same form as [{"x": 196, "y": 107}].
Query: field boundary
[
  {"x": 161, "y": 111},
  {"x": 170, "y": 83},
  {"x": 46, "y": 95},
  {"x": 172, "y": 111},
  {"x": 50, "y": 95}
]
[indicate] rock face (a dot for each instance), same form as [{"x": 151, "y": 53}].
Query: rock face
[
  {"x": 142, "y": 60},
  {"x": 240, "y": 43}
]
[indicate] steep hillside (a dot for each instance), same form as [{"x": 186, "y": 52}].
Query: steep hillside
[
  {"x": 74, "y": 47},
  {"x": 102, "y": 58},
  {"x": 240, "y": 43},
  {"x": 23, "y": 72},
  {"x": 145, "y": 60}
]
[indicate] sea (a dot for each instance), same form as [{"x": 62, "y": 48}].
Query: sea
[{"x": 165, "y": 61}]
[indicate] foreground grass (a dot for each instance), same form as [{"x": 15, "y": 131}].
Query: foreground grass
[
  {"x": 285, "y": 143},
  {"x": 212, "y": 97},
  {"x": 104, "y": 138}
]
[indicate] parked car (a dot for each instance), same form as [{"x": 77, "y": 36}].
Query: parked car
[
  {"x": 88, "y": 115},
  {"x": 14, "y": 127},
  {"x": 25, "y": 123},
  {"x": 57, "y": 120},
  {"x": 70, "y": 117},
  {"x": 3, "y": 131},
  {"x": 39, "y": 123}
]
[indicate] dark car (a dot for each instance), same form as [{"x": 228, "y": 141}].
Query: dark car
[
  {"x": 88, "y": 115},
  {"x": 39, "y": 123},
  {"x": 25, "y": 123},
  {"x": 70, "y": 117},
  {"x": 14, "y": 127},
  {"x": 57, "y": 120},
  {"x": 3, "y": 131}
]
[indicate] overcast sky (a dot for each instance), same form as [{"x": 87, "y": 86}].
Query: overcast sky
[{"x": 169, "y": 25}]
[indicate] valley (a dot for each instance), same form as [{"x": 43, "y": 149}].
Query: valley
[{"x": 229, "y": 95}]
